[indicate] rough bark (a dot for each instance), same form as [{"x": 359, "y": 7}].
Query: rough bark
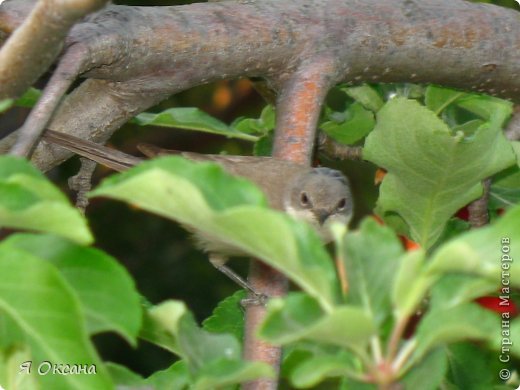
[
  {"x": 33, "y": 47},
  {"x": 157, "y": 51}
]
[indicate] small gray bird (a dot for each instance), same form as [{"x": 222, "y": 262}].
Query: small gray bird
[{"x": 320, "y": 196}]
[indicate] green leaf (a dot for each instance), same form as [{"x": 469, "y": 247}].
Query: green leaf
[
  {"x": 455, "y": 289},
  {"x": 229, "y": 372},
  {"x": 205, "y": 199},
  {"x": 122, "y": 376},
  {"x": 105, "y": 289},
  {"x": 358, "y": 123},
  {"x": 29, "y": 201},
  {"x": 485, "y": 252},
  {"x": 29, "y": 98},
  {"x": 262, "y": 126},
  {"x": 299, "y": 317},
  {"x": 213, "y": 359},
  {"x": 468, "y": 128},
  {"x": 228, "y": 316},
  {"x": 201, "y": 348},
  {"x": 371, "y": 272},
  {"x": 161, "y": 325},
  {"x": 458, "y": 323},
  {"x": 366, "y": 95},
  {"x": 514, "y": 335},
  {"x": 10, "y": 361},
  {"x": 505, "y": 189},
  {"x": 268, "y": 117},
  {"x": 490, "y": 108},
  {"x": 5, "y": 104},
  {"x": 190, "y": 118},
  {"x": 438, "y": 98},
  {"x": 316, "y": 368},
  {"x": 411, "y": 284},
  {"x": 176, "y": 377},
  {"x": 472, "y": 367},
  {"x": 431, "y": 173},
  {"x": 35, "y": 296},
  {"x": 428, "y": 373},
  {"x": 264, "y": 145}
]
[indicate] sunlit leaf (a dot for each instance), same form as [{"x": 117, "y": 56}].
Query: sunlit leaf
[
  {"x": 299, "y": 317},
  {"x": 105, "y": 289},
  {"x": 431, "y": 172},
  {"x": 190, "y": 118},
  {"x": 38, "y": 299},
  {"x": 29, "y": 201}
]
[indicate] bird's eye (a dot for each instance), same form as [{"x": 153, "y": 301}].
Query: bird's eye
[
  {"x": 342, "y": 204},
  {"x": 304, "y": 199}
]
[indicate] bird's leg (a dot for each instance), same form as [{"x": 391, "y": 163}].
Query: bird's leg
[{"x": 219, "y": 262}]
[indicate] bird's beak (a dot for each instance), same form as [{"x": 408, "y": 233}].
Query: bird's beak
[{"x": 321, "y": 215}]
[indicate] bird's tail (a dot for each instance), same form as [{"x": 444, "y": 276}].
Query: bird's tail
[{"x": 108, "y": 157}]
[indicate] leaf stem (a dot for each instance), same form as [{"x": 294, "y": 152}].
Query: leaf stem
[
  {"x": 396, "y": 336},
  {"x": 403, "y": 355}
]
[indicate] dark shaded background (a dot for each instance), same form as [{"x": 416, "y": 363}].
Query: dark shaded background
[{"x": 159, "y": 254}]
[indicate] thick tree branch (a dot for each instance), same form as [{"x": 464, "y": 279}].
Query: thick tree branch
[
  {"x": 93, "y": 111},
  {"x": 456, "y": 42},
  {"x": 34, "y": 46}
]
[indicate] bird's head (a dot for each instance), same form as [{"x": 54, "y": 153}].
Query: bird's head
[{"x": 321, "y": 197}]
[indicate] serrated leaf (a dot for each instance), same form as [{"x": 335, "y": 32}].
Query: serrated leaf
[
  {"x": 29, "y": 201},
  {"x": 431, "y": 173},
  {"x": 204, "y": 198},
  {"x": 190, "y": 118},
  {"x": 371, "y": 272},
  {"x": 458, "y": 323},
  {"x": 105, "y": 289},
  {"x": 228, "y": 316},
  {"x": 358, "y": 123},
  {"x": 480, "y": 252},
  {"x": 35, "y": 296},
  {"x": 299, "y": 317}
]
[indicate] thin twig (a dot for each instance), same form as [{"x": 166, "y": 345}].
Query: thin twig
[
  {"x": 478, "y": 209},
  {"x": 333, "y": 149},
  {"x": 65, "y": 74}
]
